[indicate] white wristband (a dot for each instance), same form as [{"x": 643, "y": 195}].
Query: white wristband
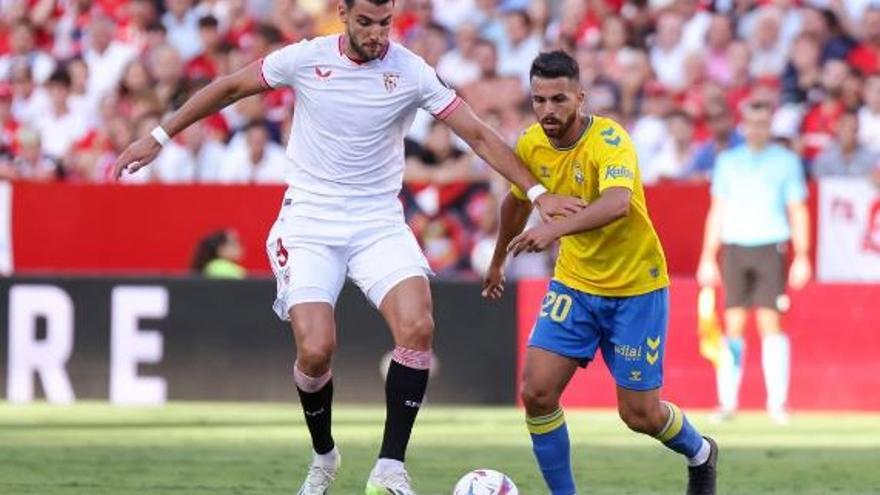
[
  {"x": 160, "y": 135},
  {"x": 535, "y": 191}
]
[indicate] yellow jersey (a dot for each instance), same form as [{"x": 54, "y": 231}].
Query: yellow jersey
[{"x": 623, "y": 258}]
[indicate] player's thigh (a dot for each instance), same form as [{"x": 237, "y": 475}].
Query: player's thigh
[
  {"x": 769, "y": 320},
  {"x": 736, "y": 276},
  {"x": 380, "y": 259},
  {"x": 407, "y": 309},
  {"x": 305, "y": 272},
  {"x": 634, "y": 345},
  {"x": 566, "y": 324},
  {"x": 770, "y": 277},
  {"x": 545, "y": 376}
]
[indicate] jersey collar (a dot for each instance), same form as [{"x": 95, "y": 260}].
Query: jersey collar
[{"x": 578, "y": 140}]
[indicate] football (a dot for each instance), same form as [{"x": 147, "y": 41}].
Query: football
[{"x": 485, "y": 482}]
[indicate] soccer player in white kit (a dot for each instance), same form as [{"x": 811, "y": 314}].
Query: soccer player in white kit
[{"x": 356, "y": 96}]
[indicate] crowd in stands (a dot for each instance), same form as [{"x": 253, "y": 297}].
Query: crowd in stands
[{"x": 80, "y": 79}]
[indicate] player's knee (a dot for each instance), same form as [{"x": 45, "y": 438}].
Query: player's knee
[
  {"x": 417, "y": 332},
  {"x": 640, "y": 419},
  {"x": 313, "y": 355},
  {"x": 538, "y": 400}
]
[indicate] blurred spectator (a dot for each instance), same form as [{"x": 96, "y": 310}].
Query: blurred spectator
[
  {"x": 253, "y": 158},
  {"x": 170, "y": 86},
  {"x": 845, "y": 156},
  {"x": 723, "y": 136},
  {"x": 675, "y": 153},
  {"x": 816, "y": 130},
  {"x": 649, "y": 131},
  {"x": 457, "y": 66},
  {"x": 769, "y": 48},
  {"x": 218, "y": 256},
  {"x": 438, "y": 161},
  {"x": 718, "y": 40},
  {"x": 182, "y": 24},
  {"x": 520, "y": 46},
  {"x": 803, "y": 72},
  {"x": 29, "y": 100},
  {"x": 30, "y": 163},
  {"x": 60, "y": 127},
  {"x": 105, "y": 56},
  {"x": 491, "y": 92},
  {"x": 208, "y": 64},
  {"x": 697, "y": 23},
  {"x": 22, "y": 49},
  {"x": 8, "y": 124},
  {"x": 866, "y": 56},
  {"x": 669, "y": 51},
  {"x": 869, "y": 114}
]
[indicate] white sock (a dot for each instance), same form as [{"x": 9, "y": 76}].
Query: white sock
[
  {"x": 329, "y": 460},
  {"x": 702, "y": 455},
  {"x": 384, "y": 466},
  {"x": 728, "y": 378},
  {"x": 775, "y": 358}
]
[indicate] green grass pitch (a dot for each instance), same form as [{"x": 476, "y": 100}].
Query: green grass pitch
[{"x": 256, "y": 449}]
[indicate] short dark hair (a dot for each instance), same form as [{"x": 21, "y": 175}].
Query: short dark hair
[
  {"x": 350, "y": 3},
  {"x": 209, "y": 21},
  {"x": 60, "y": 76},
  {"x": 550, "y": 65}
]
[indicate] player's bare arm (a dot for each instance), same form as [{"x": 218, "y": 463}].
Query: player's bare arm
[
  {"x": 220, "y": 93},
  {"x": 514, "y": 215},
  {"x": 486, "y": 143},
  {"x": 801, "y": 271},
  {"x": 708, "y": 273},
  {"x": 612, "y": 205}
]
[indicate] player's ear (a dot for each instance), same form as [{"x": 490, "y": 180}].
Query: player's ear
[{"x": 342, "y": 10}]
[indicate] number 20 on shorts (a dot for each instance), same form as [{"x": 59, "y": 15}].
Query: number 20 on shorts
[{"x": 556, "y": 306}]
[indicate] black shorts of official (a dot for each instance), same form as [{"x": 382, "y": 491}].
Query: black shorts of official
[{"x": 754, "y": 276}]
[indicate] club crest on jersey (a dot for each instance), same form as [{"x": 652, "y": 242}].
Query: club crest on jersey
[
  {"x": 390, "y": 79},
  {"x": 578, "y": 173},
  {"x": 322, "y": 75}
]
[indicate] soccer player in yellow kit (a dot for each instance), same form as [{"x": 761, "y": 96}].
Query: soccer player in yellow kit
[{"x": 610, "y": 287}]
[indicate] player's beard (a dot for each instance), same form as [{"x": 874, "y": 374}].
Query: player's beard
[
  {"x": 558, "y": 128},
  {"x": 362, "y": 54}
]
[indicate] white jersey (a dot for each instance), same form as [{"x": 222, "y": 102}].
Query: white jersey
[{"x": 350, "y": 120}]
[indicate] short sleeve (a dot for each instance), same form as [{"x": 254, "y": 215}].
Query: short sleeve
[
  {"x": 795, "y": 188},
  {"x": 719, "y": 188},
  {"x": 279, "y": 67},
  {"x": 435, "y": 96},
  {"x": 519, "y": 151},
  {"x": 617, "y": 161}
]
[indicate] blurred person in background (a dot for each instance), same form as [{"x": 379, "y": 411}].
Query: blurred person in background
[
  {"x": 866, "y": 55},
  {"x": 30, "y": 101},
  {"x": 869, "y": 114},
  {"x": 803, "y": 73},
  {"x": 218, "y": 255},
  {"x": 669, "y": 51},
  {"x": 769, "y": 48},
  {"x": 8, "y": 124},
  {"x": 718, "y": 39},
  {"x": 29, "y": 163},
  {"x": 458, "y": 66},
  {"x": 521, "y": 45},
  {"x": 676, "y": 152},
  {"x": 650, "y": 131},
  {"x": 166, "y": 66},
  {"x": 722, "y": 136},
  {"x": 816, "y": 127},
  {"x": 210, "y": 63},
  {"x": 23, "y": 49},
  {"x": 845, "y": 156},
  {"x": 491, "y": 92},
  {"x": 105, "y": 56},
  {"x": 253, "y": 159},
  {"x": 182, "y": 22},
  {"x": 60, "y": 127},
  {"x": 758, "y": 205}
]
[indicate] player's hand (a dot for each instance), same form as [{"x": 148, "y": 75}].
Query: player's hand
[
  {"x": 708, "y": 273},
  {"x": 800, "y": 272},
  {"x": 534, "y": 240},
  {"x": 136, "y": 156},
  {"x": 493, "y": 283},
  {"x": 552, "y": 205}
]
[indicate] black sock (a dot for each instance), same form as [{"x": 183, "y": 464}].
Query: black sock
[
  {"x": 404, "y": 391},
  {"x": 317, "y": 407}
]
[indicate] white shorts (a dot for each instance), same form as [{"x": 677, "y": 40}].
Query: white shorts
[{"x": 312, "y": 257}]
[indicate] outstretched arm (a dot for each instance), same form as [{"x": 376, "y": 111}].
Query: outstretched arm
[
  {"x": 219, "y": 93},
  {"x": 486, "y": 143}
]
